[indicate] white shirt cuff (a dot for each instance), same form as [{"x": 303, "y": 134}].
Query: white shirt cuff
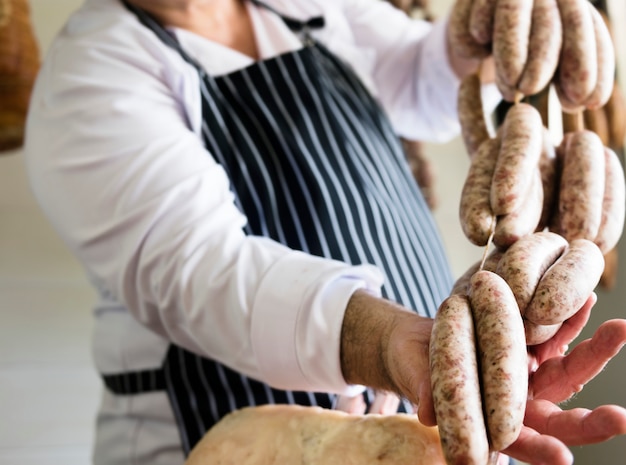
[{"x": 296, "y": 332}]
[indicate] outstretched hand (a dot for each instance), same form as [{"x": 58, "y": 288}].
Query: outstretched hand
[{"x": 555, "y": 376}]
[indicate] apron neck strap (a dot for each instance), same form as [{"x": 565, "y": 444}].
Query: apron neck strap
[{"x": 296, "y": 25}]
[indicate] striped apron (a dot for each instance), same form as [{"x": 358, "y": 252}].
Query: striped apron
[{"x": 314, "y": 164}]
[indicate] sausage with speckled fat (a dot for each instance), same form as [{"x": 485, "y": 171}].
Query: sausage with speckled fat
[
  {"x": 515, "y": 225},
  {"x": 567, "y": 284},
  {"x": 578, "y": 68},
  {"x": 582, "y": 186},
  {"x": 477, "y": 218},
  {"x": 538, "y": 334},
  {"x": 526, "y": 261},
  {"x": 511, "y": 33},
  {"x": 613, "y": 204},
  {"x": 543, "y": 49},
  {"x": 471, "y": 116},
  {"x": 481, "y": 20},
  {"x": 455, "y": 384},
  {"x": 502, "y": 356},
  {"x": 509, "y": 93},
  {"x": 606, "y": 62},
  {"x": 520, "y": 150},
  {"x": 461, "y": 40}
]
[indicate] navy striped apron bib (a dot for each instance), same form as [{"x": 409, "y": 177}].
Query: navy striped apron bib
[{"x": 314, "y": 164}]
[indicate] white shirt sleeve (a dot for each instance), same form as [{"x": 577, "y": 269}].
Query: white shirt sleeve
[
  {"x": 150, "y": 215},
  {"x": 411, "y": 71}
]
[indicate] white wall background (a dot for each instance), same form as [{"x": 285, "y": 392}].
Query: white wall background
[{"x": 451, "y": 165}]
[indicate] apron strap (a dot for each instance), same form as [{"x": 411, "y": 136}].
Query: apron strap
[
  {"x": 296, "y": 25},
  {"x": 135, "y": 382}
]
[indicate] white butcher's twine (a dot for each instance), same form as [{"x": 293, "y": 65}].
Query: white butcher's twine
[{"x": 5, "y": 12}]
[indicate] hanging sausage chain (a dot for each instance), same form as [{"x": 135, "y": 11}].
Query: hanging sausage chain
[{"x": 551, "y": 212}]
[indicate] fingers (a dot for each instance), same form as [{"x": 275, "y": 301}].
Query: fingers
[
  {"x": 559, "y": 378},
  {"x": 385, "y": 403},
  {"x": 578, "y": 426},
  {"x": 539, "y": 449},
  {"x": 569, "y": 331},
  {"x": 352, "y": 405}
]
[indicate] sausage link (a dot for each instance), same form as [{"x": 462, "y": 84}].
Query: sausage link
[
  {"x": 613, "y": 204},
  {"x": 455, "y": 384},
  {"x": 471, "y": 116},
  {"x": 538, "y": 334},
  {"x": 582, "y": 186},
  {"x": 502, "y": 357},
  {"x": 567, "y": 284},
  {"x": 461, "y": 41},
  {"x": 606, "y": 62},
  {"x": 511, "y": 33},
  {"x": 513, "y": 226},
  {"x": 509, "y": 93},
  {"x": 543, "y": 49},
  {"x": 522, "y": 133},
  {"x": 481, "y": 20},
  {"x": 477, "y": 218},
  {"x": 578, "y": 70},
  {"x": 567, "y": 105},
  {"x": 526, "y": 261}
]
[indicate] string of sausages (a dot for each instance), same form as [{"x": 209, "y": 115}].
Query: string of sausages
[{"x": 551, "y": 213}]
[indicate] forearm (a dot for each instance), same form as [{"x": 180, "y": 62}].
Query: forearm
[{"x": 382, "y": 344}]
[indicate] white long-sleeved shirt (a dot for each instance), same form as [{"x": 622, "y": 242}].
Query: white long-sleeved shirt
[{"x": 116, "y": 160}]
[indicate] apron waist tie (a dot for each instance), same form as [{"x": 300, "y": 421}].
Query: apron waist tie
[{"x": 136, "y": 382}]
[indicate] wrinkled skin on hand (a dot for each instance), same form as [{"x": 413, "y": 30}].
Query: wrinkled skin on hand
[{"x": 555, "y": 376}]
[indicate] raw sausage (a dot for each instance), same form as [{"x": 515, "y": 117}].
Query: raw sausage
[
  {"x": 525, "y": 262},
  {"x": 481, "y": 20},
  {"x": 522, "y": 136},
  {"x": 613, "y": 205},
  {"x": 543, "y": 49},
  {"x": 525, "y": 220},
  {"x": 477, "y": 218},
  {"x": 578, "y": 70},
  {"x": 509, "y": 93},
  {"x": 471, "y": 117},
  {"x": 461, "y": 41},
  {"x": 511, "y": 32},
  {"x": 606, "y": 62},
  {"x": 538, "y": 334},
  {"x": 567, "y": 284},
  {"x": 582, "y": 186},
  {"x": 455, "y": 384},
  {"x": 502, "y": 357}
]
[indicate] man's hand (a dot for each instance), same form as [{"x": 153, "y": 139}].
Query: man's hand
[{"x": 549, "y": 430}]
